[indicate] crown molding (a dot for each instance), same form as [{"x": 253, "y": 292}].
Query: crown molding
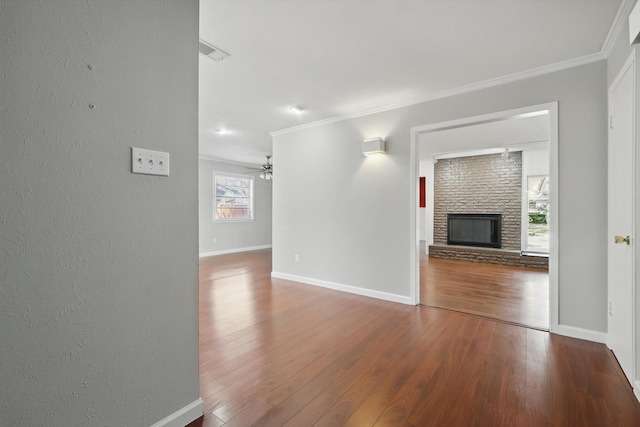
[
  {"x": 618, "y": 24},
  {"x": 509, "y": 78},
  {"x": 616, "y": 27},
  {"x": 227, "y": 162}
]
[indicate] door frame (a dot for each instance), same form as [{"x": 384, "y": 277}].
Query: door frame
[
  {"x": 552, "y": 109},
  {"x": 629, "y": 65}
]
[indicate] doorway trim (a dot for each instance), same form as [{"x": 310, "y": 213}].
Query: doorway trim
[{"x": 416, "y": 131}]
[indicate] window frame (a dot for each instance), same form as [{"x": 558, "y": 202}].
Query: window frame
[{"x": 232, "y": 175}]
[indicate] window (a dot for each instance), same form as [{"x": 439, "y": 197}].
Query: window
[
  {"x": 233, "y": 197},
  {"x": 538, "y": 202}
]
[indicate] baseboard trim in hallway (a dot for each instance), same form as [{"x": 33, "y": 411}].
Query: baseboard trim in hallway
[
  {"x": 583, "y": 334},
  {"x": 233, "y": 251},
  {"x": 344, "y": 288},
  {"x": 183, "y": 416}
]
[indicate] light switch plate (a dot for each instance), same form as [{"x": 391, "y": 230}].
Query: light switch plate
[{"x": 149, "y": 162}]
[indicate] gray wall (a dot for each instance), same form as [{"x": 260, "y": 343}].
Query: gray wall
[
  {"x": 98, "y": 267},
  {"x": 479, "y": 184},
  {"x": 234, "y": 235},
  {"x": 349, "y": 216}
]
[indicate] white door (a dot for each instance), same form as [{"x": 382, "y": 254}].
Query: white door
[{"x": 620, "y": 221}]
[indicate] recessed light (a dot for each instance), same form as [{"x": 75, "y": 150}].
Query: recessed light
[
  {"x": 298, "y": 109},
  {"x": 221, "y": 131}
]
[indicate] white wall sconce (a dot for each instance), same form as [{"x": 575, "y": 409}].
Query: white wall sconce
[{"x": 373, "y": 146}]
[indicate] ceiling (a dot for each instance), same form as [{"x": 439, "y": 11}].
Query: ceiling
[
  {"x": 530, "y": 132},
  {"x": 340, "y": 58}
]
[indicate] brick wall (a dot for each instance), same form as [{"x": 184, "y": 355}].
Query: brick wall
[
  {"x": 480, "y": 184},
  {"x": 488, "y": 256}
]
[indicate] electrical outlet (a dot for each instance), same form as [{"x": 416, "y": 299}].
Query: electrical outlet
[
  {"x": 215, "y": 240},
  {"x": 296, "y": 257},
  {"x": 149, "y": 162}
]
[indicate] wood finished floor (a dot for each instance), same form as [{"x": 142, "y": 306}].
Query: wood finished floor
[
  {"x": 511, "y": 294},
  {"x": 278, "y": 353}
]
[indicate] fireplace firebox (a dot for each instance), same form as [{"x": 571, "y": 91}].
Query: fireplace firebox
[{"x": 482, "y": 230}]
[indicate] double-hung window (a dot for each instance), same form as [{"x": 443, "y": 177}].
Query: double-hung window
[{"x": 233, "y": 197}]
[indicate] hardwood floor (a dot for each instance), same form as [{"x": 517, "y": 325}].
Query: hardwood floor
[
  {"x": 278, "y": 353},
  {"x": 511, "y": 294}
]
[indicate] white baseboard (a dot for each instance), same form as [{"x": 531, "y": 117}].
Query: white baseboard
[
  {"x": 345, "y": 288},
  {"x": 636, "y": 390},
  {"x": 233, "y": 251},
  {"x": 183, "y": 416},
  {"x": 583, "y": 334}
]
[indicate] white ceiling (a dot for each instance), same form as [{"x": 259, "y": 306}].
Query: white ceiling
[
  {"x": 342, "y": 57},
  {"x": 516, "y": 134}
]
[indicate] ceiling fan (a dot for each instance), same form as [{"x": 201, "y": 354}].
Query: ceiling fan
[{"x": 265, "y": 171}]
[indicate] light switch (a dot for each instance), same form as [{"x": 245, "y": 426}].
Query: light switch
[{"x": 149, "y": 162}]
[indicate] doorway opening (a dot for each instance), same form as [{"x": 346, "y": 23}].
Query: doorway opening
[{"x": 516, "y": 282}]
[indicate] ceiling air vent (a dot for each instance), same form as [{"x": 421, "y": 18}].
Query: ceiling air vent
[{"x": 211, "y": 51}]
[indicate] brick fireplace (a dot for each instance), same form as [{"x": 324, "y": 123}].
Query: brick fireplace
[{"x": 481, "y": 186}]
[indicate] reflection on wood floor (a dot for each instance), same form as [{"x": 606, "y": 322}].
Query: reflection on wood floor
[
  {"x": 511, "y": 294},
  {"x": 280, "y": 353}
]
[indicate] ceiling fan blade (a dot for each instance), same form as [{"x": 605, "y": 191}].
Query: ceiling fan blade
[{"x": 266, "y": 168}]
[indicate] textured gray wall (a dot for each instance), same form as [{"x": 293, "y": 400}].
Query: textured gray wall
[
  {"x": 98, "y": 267},
  {"x": 479, "y": 184}
]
